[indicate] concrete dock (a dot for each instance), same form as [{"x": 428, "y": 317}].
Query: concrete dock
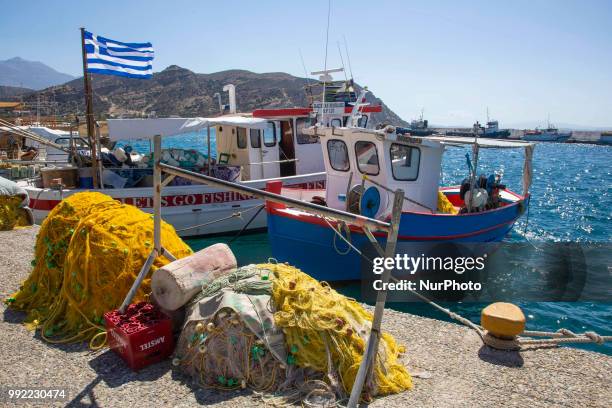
[{"x": 455, "y": 369}]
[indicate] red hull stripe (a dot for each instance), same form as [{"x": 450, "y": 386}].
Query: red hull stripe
[
  {"x": 317, "y": 221},
  {"x": 218, "y": 197}
]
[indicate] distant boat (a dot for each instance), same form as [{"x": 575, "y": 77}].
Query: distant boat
[
  {"x": 418, "y": 127},
  {"x": 492, "y": 131},
  {"x": 550, "y": 134},
  {"x": 606, "y": 138}
]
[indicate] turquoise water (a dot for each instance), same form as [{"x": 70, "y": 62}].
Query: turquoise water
[{"x": 571, "y": 201}]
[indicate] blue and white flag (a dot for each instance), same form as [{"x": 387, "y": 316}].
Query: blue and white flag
[{"x": 110, "y": 57}]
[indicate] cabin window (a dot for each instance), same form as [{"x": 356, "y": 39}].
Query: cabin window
[
  {"x": 255, "y": 135},
  {"x": 338, "y": 155},
  {"x": 270, "y": 132},
  {"x": 242, "y": 138},
  {"x": 367, "y": 158},
  {"x": 405, "y": 162},
  {"x": 363, "y": 121},
  {"x": 336, "y": 122},
  {"x": 301, "y": 124}
]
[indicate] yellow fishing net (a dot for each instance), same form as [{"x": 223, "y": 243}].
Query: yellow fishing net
[
  {"x": 444, "y": 204},
  {"x": 11, "y": 215},
  {"x": 273, "y": 328},
  {"x": 42, "y": 286},
  {"x": 318, "y": 322},
  {"x": 104, "y": 252}
]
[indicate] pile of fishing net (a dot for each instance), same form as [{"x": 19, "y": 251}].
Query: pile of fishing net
[
  {"x": 88, "y": 253},
  {"x": 12, "y": 214},
  {"x": 273, "y": 328},
  {"x": 14, "y": 211}
]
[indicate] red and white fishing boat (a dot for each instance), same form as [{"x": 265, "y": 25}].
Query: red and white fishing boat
[{"x": 254, "y": 148}]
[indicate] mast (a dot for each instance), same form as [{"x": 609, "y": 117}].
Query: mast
[{"x": 89, "y": 115}]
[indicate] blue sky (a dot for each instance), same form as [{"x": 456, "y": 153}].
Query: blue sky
[{"x": 521, "y": 59}]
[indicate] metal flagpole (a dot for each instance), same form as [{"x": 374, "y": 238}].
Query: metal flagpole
[{"x": 89, "y": 115}]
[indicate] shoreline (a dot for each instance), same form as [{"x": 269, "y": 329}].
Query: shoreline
[{"x": 457, "y": 370}]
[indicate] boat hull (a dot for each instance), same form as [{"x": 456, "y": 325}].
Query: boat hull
[
  {"x": 545, "y": 137},
  {"x": 308, "y": 242},
  {"x": 210, "y": 208}
]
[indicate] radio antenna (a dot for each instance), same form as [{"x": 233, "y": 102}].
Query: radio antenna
[
  {"x": 326, "y": 44},
  {"x": 342, "y": 60},
  {"x": 348, "y": 57},
  {"x": 303, "y": 65}
]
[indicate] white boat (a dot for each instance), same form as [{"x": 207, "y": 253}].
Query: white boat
[
  {"x": 267, "y": 144},
  {"x": 550, "y": 134}
]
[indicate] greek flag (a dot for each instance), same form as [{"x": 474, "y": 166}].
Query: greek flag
[{"x": 110, "y": 57}]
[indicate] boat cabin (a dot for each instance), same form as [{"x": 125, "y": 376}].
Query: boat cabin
[
  {"x": 268, "y": 143},
  {"x": 373, "y": 163},
  {"x": 281, "y": 149}
]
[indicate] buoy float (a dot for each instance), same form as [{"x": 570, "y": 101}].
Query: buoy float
[{"x": 503, "y": 320}]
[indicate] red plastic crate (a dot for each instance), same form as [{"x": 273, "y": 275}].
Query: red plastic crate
[{"x": 141, "y": 336}]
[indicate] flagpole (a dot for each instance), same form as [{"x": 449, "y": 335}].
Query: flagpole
[{"x": 89, "y": 115}]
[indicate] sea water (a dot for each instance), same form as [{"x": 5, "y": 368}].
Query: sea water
[{"x": 571, "y": 201}]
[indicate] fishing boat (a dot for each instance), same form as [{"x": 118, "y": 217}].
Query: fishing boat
[
  {"x": 491, "y": 130},
  {"x": 550, "y": 134},
  {"x": 253, "y": 148},
  {"x": 363, "y": 168},
  {"x": 418, "y": 127}
]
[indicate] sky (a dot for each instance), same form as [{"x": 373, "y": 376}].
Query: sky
[{"x": 523, "y": 60}]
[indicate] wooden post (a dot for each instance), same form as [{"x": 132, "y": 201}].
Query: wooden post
[
  {"x": 89, "y": 115},
  {"x": 369, "y": 359},
  {"x": 157, "y": 248},
  {"x": 157, "y": 175}
]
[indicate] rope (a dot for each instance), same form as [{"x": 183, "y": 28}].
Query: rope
[
  {"x": 261, "y": 207},
  {"x": 562, "y": 336},
  {"x": 234, "y": 215}
]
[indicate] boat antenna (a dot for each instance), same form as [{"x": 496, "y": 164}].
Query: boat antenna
[
  {"x": 342, "y": 60},
  {"x": 348, "y": 57},
  {"x": 302, "y": 59},
  {"x": 307, "y": 88},
  {"x": 326, "y": 45},
  {"x": 487, "y": 114}
]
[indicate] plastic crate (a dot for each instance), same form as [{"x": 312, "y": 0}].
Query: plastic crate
[{"x": 141, "y": 336}]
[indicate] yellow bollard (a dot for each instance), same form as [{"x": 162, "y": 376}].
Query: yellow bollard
[{"x": 503, "y": 320}]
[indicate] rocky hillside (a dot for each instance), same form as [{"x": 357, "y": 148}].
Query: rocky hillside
[
  {"x": 12, "y": 92},
  {"x": 178, "y": 91}
]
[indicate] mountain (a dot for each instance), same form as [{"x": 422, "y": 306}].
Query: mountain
[
  {"x": 177, "y": 91},
  {"x": 30, "y": 74},
  {"x": 11, "y": 92}
]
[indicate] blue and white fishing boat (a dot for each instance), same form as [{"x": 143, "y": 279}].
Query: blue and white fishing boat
[{"x": 363, "y": 168}]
